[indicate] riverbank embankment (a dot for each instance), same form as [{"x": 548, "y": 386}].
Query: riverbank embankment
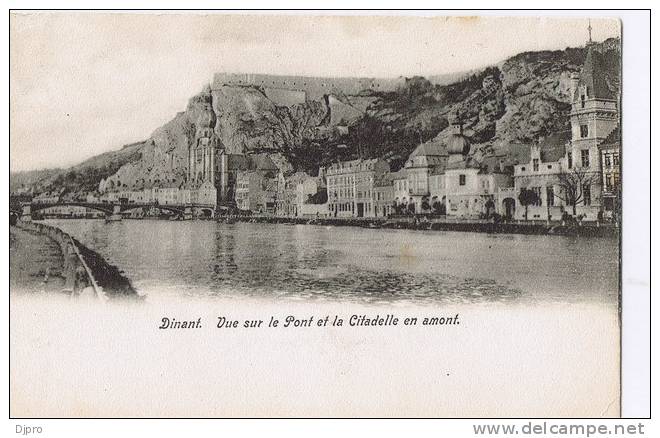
[
  {"x": 479, "y": 226},
  {"x": 45, "y": 258}
]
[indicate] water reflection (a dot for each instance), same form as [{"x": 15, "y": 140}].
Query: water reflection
[{"x": 339, "y": 263}]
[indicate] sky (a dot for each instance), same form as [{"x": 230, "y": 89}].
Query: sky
[{"x": 86, "y": 83}]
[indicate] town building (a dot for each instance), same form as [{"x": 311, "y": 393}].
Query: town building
[
  {"x": 610, "y": 165},
  {"x": 383, "y": 195},
  {"x": 350, "y": 186},
  {"x": 469, "y": 187},
  {"x": 427, "y": 159},
  {"x": 400, "y": 183},
  {"x": 312, "y": 197},
  {"x": 540, "y": 173},
  {"x": 594, "y": 116},
  {"x": 257, "y": 188},
  {"x": 287, "y": 193}
]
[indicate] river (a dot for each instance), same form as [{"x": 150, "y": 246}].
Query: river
[{"x": 204, "y": 259}]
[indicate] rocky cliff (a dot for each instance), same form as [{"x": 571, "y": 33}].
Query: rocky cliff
[{"x": 518, "y": 101}]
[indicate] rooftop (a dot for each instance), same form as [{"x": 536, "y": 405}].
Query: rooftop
[{"x": 594, "y": 77}]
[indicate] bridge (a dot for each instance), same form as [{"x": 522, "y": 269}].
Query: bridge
[{"x": 116, "y": 209}]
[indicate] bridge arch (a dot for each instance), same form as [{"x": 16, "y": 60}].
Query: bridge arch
[
  {"x": 34, "y": 207},
  {"x": 172, "y": 209}
]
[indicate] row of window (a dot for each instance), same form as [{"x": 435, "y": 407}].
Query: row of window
[
  {"x": 611, "y": 159},
  {"x": 611, "y": 181},
  {"x": 584, "y": 156},
  {"x": 349, "y": 206},
  {"x": 550, "y": 196},
  {"x": 358, "y": 179}
]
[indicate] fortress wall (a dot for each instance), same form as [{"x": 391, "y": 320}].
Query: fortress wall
[
  {"x": 314, "y": 87},
  {"x": 284, "y": 97}
]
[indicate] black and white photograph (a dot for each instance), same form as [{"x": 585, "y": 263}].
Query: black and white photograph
[{"x": 314, "y": 215}]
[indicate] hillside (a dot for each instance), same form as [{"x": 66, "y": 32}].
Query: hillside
[{"x": 526, "y": 99}]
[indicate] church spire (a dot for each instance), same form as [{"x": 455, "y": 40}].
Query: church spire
[{"x": 589, "y": 29}]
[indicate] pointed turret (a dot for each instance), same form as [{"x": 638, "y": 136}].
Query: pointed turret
[{"x": 593, "y": 77}]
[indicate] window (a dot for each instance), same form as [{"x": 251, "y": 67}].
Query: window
[
  {"x": 550, "y": 196},
  {"x": 586, "y": 195},
  {"x": 537, "y": 190},
  {"x": 609, "y": 182},
  {"x": 608, "y": 160},
  {"x": 615, "y": 159},
  {"x": 585, "y": 157},
  {"x": 535, "y": 164},
  {"x": 582, "y": 99},
  {"x": 570, "y": 159},
  {"x": 584, "y": 131},
  {"x": 461, "y": 180}
]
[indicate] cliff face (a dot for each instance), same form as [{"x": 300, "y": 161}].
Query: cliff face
[{"x": 517, "y": 101}]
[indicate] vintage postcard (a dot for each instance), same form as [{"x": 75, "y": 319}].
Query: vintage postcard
[{"x": 307, "y": 215}]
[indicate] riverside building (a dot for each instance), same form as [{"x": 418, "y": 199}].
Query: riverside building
[
  {"x": 351, "y": 186},
  {"x": 583, "y": 179}
]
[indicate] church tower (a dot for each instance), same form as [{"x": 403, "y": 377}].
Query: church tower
[{"x": 203, "y": 152}]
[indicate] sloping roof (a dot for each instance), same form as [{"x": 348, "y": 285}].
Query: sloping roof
[
  {"x": 401, "y": 174},
  {"x": 613, "y": 138},
  {"x": 467, "y": 163},
  {"x": 594, "y": 76},
  {"x": 553, "y": 147},
  {"x": 492, "y": 164},
  {"x": 437, "y": 170},
  {"x": 432, "y": 147},
  {"x": 270, "y": 185}
]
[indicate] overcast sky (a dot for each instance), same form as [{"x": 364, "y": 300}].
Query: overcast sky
[{"x": 84, "y": 83}]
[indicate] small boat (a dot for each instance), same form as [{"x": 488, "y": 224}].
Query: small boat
[{"x": 113, "y": 218}]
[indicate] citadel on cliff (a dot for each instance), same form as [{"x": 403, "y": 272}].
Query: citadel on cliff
[{"x": 201, "y": 158}]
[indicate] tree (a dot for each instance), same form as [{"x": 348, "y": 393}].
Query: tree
[
  {"x": 425, "y": 204},
  {"x": 572, "y": 185},
  {"x": 439, "y": 208},
  {"x": 526, "y": 198}
]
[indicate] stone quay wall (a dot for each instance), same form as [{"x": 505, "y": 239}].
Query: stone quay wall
[{"x": 78, "y": 277}]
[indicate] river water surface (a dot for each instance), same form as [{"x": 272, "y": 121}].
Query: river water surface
[{"x": 206, "y": 259}]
